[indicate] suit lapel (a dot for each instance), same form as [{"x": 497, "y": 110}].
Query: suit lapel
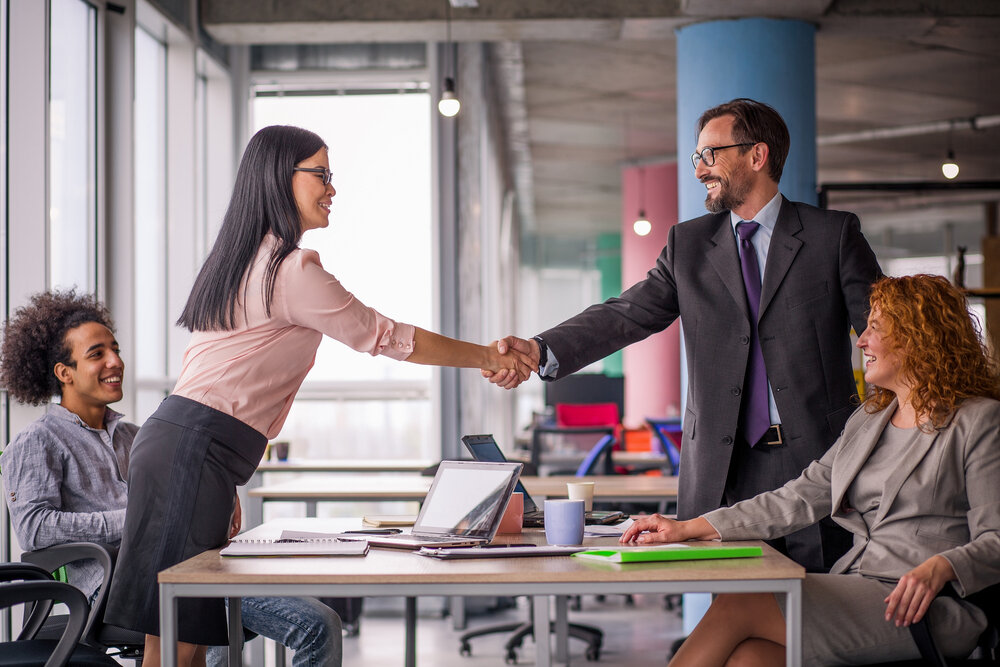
[
  {"x": 781, "y": 252},
  {"x": 913, "y": 457},
  {"x": 867, "y": 438},
  {"x": 725, "y": 259}
]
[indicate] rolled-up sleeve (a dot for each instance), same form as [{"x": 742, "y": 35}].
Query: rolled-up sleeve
[{"x": 315, "y": 299}]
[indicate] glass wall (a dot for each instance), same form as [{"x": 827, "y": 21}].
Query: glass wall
[
  {"x": 73, "y": 145},
  {"x": 150, "y": 295},
  {"x": 378, "y": 245}
]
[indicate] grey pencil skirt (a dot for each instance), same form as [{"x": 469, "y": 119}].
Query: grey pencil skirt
[{"x": 185, "y": 464}]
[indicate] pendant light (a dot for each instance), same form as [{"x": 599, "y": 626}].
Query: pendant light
[
  {"x": 449, "y": 103},
  {"x": 642, "y": 226},
  {"x": 949, "y": 167}
]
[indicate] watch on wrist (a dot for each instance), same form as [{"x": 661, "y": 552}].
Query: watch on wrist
[{"x": 543, "y": 352}]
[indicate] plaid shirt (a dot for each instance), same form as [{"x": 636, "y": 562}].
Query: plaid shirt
[{"x": 66, "y": 482}]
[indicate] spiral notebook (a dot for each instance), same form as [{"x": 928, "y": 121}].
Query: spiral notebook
[{"x": 318, "y": 546}]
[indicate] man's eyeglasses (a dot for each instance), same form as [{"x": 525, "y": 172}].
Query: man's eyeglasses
[
  {"x": 708, "y": 153},
  {"x": 326, "y": 175}
]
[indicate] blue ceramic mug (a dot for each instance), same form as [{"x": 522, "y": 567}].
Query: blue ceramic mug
[{"x": 564, "y": 522}]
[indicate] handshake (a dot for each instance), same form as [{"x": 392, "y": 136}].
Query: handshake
[{"x": 512, "y": 360}]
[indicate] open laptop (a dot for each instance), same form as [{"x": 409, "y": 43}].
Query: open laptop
[
  {"x": 462, "y": 508},
  {"x": 485, "y": 448}
]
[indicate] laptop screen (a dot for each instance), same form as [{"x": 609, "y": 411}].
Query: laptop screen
[
  {"x": 467, "y": 498},
  {"x": 485, "y": 448}
]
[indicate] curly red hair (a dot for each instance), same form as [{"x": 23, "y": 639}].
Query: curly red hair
[{"x": 927, "y": 321}]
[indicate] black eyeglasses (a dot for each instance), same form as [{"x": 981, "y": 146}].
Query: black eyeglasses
[
  {"x": 326, "y": 175},
  {"x": 708, "y": 153}
]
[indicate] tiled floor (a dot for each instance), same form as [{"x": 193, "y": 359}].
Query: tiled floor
[{"x": 634, "y": 636}]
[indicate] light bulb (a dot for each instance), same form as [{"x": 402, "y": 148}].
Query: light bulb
[
  {"x": 950, "y": 170},
  {"x": 449, "y": 104},
  {"x": 642, "y": 226}
]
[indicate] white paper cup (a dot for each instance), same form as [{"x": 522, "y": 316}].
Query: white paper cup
[{"x": 582, "y": 491}]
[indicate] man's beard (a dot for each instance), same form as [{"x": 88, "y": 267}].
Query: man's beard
[{"x": 733, "y": 192}]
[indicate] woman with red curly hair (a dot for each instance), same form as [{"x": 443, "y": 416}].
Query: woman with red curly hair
[{"x": 913, "y": 477}]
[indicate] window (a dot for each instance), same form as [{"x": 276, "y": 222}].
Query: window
[
  {"x": 150, "y": 287},
  {"x": 378, "y": 245},
  {"x": 72, "y": 237}
]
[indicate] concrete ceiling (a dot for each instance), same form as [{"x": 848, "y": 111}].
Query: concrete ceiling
[{"x": 599, "y": 89}]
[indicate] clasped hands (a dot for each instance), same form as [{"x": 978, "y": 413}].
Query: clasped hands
[
  {"x": 516, "y": 359},
  {"x": 905, "y": 605}
]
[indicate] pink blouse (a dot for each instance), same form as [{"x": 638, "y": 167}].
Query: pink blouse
[{"x": 253, "y": 371}]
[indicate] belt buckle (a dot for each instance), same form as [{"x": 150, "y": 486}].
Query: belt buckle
[{"x": 777, "y": 430}]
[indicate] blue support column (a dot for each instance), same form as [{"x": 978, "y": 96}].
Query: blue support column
[{"x": 769, "y": 60}]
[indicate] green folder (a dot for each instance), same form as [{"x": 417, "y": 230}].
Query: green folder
[{"x": 667, "y": 552}]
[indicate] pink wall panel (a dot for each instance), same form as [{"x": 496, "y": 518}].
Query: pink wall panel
[{"x": 652, "y": 366}]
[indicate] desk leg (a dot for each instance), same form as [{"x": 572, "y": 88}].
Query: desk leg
[
  {"x": 542, "y": 635},
  {"x": 235, "y": 633},
  {"x": 562, "y": 628},
  {"x": 793, "y": 625},
  {"x": 456, "y": 606},
  {"x": 254, "y": 512},
  {"x": 411, "y": 632},
  {"x": 168, "y": 626}
]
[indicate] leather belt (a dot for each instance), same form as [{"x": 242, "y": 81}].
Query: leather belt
[{"x": 774, "y": 436}]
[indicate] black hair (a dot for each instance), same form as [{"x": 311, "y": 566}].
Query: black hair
[
  {"x": 34, "y": 341},
  {"x": 262, "y": 203},
  {"x": 755, "y": 122}
]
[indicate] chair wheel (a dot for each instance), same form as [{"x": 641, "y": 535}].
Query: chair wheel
[
  {"x": 465, "y": 649},
  {"x": 511, "y": 657},
  {"x": 593, "y": 654}
]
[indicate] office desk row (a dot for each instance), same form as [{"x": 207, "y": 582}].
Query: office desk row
[
  {"x": 400, "y": 573},
  {"x": 413, "y": 488}
]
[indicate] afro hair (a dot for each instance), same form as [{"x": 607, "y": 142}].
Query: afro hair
[{"x": 34, "y": 341}]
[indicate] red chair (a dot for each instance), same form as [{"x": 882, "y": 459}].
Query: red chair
[{"x": 579, "y": 424}]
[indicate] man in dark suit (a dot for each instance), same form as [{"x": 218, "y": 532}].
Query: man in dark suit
[{"x": 770, "y": 376}]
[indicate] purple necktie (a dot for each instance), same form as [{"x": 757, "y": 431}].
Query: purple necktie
[{"x": 756, "y": 415}]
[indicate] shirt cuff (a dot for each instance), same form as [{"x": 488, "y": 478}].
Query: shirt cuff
[
  {"x": 551, "y": 366},
  {"x": 400, "y": 342}
]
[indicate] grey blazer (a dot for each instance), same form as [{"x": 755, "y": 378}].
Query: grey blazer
[
  {"x": 943, "y": 498},
  {"x": 815, "y": 286}
]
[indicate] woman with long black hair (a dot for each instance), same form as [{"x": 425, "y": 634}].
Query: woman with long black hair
[{"x": 257, "y": 312}]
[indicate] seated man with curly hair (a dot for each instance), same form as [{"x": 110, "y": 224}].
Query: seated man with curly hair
[{"x": 65, "y": 474}]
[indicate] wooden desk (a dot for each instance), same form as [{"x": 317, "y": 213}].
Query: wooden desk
[
  {"x": 401, "y": 573},
  {"x": 345, "y": 465},
  {"x": 253, "y": 510},
  {"x": 377, "y": 488},
  {"x": 636, "y": 460}
]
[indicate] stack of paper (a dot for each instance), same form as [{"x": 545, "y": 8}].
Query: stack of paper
[
  {"x": 389, "y": 520},
  {"x": 296, "y": 547}
]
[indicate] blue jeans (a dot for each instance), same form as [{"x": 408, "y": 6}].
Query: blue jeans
[{"x": 307, "y": 626}]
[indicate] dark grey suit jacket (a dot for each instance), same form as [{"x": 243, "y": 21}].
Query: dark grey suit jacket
[{"x": 815, "y": 286}]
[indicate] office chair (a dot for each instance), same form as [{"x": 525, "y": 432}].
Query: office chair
[
  {"x": 581, "y": 424},
  {"x": 96, "y": 633},
  {"x": 593, "y": 636},
  {"x": 23, "y": 583},
  {"x": 988, "y": 650},
  {"x": 664, "y": 430}
]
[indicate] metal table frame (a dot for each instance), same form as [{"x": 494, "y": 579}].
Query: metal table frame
[{"x": 540, "y": 592}]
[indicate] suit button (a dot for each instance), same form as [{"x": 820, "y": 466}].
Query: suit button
[
  {"x": 735, "y": 391},
  {"x": 727, "y": 440},
  {"x": 744, "y": 339}
]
